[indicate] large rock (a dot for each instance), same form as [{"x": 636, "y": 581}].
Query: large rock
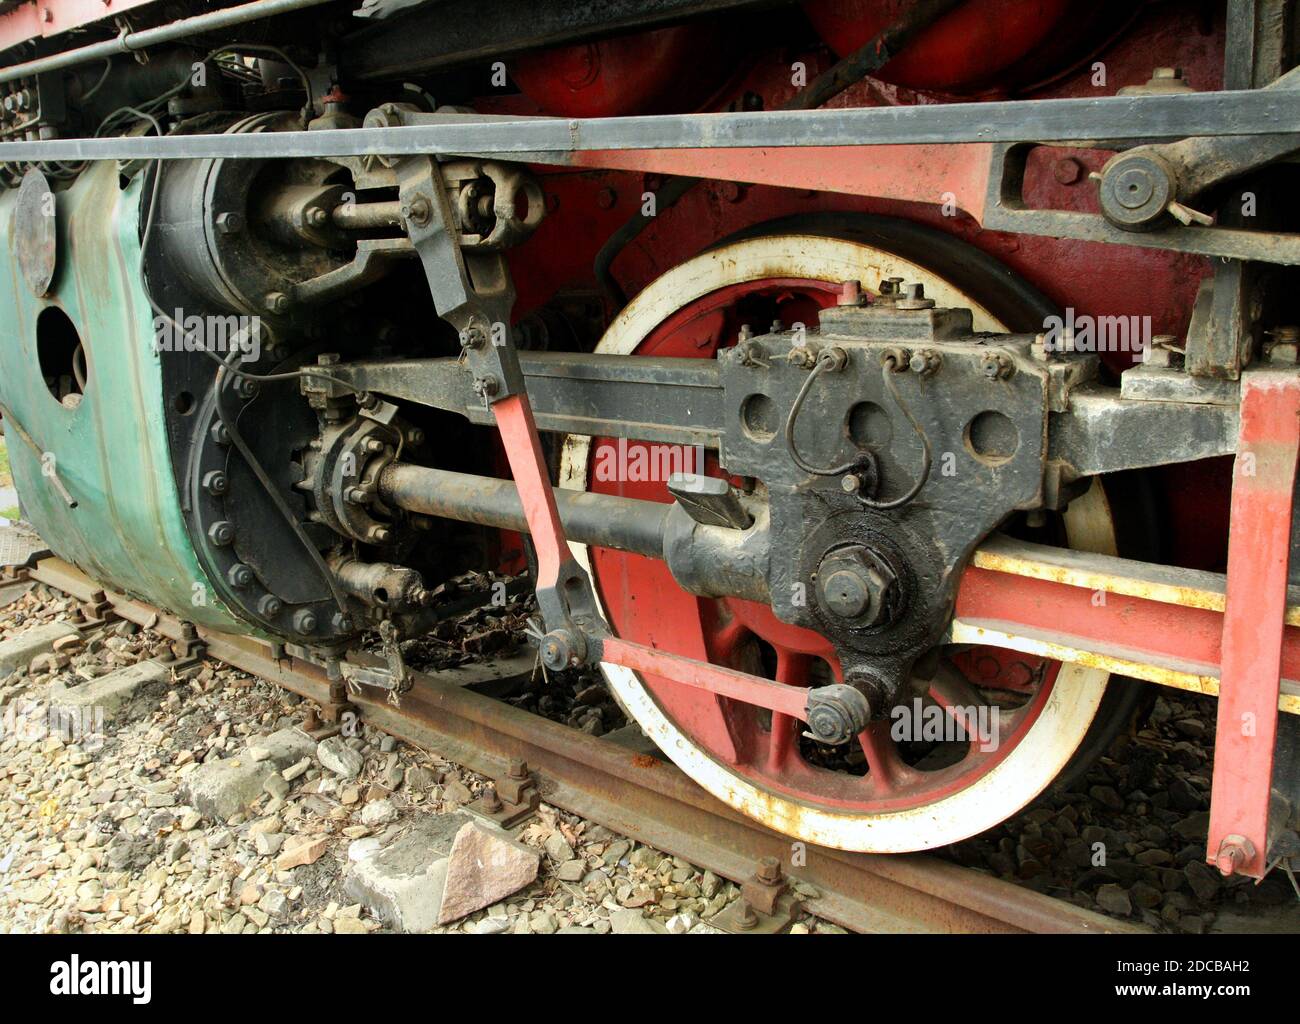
[
  {"x": 402, "y": 884},
  {"x": 633, "y": 922},
  {"x": 485, "y": 865},
  {"x": 123, "y": 694},
  {"x": 336, "y": 756},
  {"x": 221, "y": 789},
  {"x": 21, "y": 649}
]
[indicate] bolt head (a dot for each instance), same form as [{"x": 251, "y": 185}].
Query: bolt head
[
  {"x": 214, "y": 481},
  {"x": 239, "y": 575},
  {"x": 559, "y": 650},
  {"x": 221, "y": 533},
  {"x": 846, "y": 593},
  {"x": 856, "y": 584},
  {"x": 230, "y": 223},
  {"x": 269, "y": 606},
  {"x": 276, "y": 302}
]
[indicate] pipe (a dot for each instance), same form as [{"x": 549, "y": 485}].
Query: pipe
[
  {"x": 130, "y": 42},
  {"x": 605, "y": 520}
]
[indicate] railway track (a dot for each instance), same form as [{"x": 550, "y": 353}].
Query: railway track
[{"x": 637, "y": 794}]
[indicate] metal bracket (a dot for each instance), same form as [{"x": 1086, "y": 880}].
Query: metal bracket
[{"x": 511, "y": 799}]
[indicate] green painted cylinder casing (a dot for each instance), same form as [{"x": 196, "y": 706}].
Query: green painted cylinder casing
[{"x": 111, "y": 451}]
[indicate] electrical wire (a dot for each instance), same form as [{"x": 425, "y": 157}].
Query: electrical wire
[{"x": 827, "y": 361}]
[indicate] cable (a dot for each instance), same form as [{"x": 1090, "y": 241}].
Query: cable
[
  {"x": 272, "y": 491},
  {"x": 826, "y": 360},
  {"x": 108, "y": 66},
  {"x": 926, "y": 454}
]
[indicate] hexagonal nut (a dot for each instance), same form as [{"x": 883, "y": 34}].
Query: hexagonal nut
[{"x": 854, "y": 584}]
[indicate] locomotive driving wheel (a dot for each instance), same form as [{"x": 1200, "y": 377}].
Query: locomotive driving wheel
[{"x": 895, "y": 789}]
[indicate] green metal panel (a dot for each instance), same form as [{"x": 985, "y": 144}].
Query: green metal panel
[{"x": 110, "y": 452}]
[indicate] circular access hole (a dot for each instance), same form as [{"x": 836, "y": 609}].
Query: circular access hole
[
  {"x": 869, "y": 426},
  {"x": 992, "y": 438},
  {"x": 758, "y": 417},
  {"x": 61, "y": 355},
  {"x": 183, "y": 403}
]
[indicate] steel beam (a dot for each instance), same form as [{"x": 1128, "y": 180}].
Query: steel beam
[{"x": 1113, "y": 118}]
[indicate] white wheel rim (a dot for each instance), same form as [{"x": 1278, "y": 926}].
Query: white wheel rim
[{"x": 1050, "y": 740}]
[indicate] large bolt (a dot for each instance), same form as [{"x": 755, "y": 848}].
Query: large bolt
[
  {"x": 417, "y": 211},
  {"x": 214, "y": 481},
  {"x": 559, "y": 650},
  {"x": 846, "y": 592},
  {"x": 304, "y": 620},
  {"x": 838, "y": 712},
  {"x": 269, "y": 606},
  {"x": 1136, "y": 189},
  {"x": 769, "y": 871},
  {"x": 850, "y": 294},
  {"x": 221, "y": 533},
  {"x": 996, "y": 366},
  {"x": 276, "y": 302},
  {"x": 518, "y": 768},
  {"x": 1235, "y": 852},
  {"x": 239, "y": 575},
  {"x": 230, "y": 223},
  {"x": 486, "y": 387},
  {"x": 913, "y": 297},
  {"x": 855, "y": 583}
]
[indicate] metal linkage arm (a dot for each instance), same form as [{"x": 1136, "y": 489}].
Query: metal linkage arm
[{"x": 1259, "y": 553}]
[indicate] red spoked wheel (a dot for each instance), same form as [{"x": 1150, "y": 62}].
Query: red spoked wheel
[{"x": 973, "y": 744}]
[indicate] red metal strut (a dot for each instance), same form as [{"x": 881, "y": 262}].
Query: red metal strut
[{"x": 1259, "y": 551}]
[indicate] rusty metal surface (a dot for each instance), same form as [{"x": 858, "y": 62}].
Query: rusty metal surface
[
  {"x": 648, "y": 799},
  {"x": 35, "y": 238}
]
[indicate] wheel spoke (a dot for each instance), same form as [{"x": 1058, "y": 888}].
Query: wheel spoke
[
  {"x": 792, "y": 668},
  {"x": 950, "y": 690},
  {"x": 888, "y": 771}
]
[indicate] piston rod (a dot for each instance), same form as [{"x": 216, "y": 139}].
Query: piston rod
[
  {"x": 707, "y": 560},
  {"x": 604, "y": 520}
]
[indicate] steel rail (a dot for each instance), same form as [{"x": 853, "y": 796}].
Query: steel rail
[
  {"x": 131, "y": 42},
  {"x": 640, "y": 796},
  {"x": 549, "y": 140}
]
